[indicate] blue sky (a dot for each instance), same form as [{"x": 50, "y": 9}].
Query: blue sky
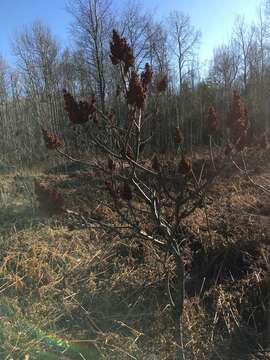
[{"x": 213, "y": 17}]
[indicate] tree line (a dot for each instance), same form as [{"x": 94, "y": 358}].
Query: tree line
[{"x": 31, "y": 90}]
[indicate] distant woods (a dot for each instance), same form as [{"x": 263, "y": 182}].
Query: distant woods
[{"x": 31, "y": 89}]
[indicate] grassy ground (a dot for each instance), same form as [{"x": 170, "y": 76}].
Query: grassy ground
[{"x": 71, "y": 292}]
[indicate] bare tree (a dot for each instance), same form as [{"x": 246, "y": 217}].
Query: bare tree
[
  {"x": 262, "y": 35},
  {"x": 37, "y": 54},
  {"x": 184, "y": 41},
  {"x": 3, "y": 80},
  {"x": 158, "y": 46},
  {"x": 35, "y": 87},
  {"x": 138, "y": 27},
  {"x": 92, "y": 22},
  {"x": 260, "y": 58},
  {"x": 243, "y": 36},
  {"x": 224, "y": 68}
]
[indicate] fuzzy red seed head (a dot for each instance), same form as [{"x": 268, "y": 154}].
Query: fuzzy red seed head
[
  {"x": 237, "y": 120},
  {"x": 121, "y": 52},
  {"x": 52, "y": 141},
  {"x": 136, "y": 93},
  {"x": 185, "y": 166},
  {"x": 79, "y": 113},
  {"x": 50, "y": 201}
]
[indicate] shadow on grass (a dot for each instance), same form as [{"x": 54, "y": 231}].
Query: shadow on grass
[
  {"x": 111, "y": 318},
  {"x": 18, "y": 338},
  {"x": 125, "y": 313},
  {"x": 18, "y": 217}
]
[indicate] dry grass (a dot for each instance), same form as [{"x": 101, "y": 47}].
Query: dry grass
[{"x": 70, "y": 292}]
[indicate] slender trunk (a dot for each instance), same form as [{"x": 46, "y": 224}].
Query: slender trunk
[{"x": 177, "y": 311}]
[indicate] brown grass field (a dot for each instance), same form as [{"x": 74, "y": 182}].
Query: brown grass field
[{"x": 71, "y": 291}]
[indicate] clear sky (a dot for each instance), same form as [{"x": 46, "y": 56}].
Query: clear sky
[{"x": 213, "y": 17}]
